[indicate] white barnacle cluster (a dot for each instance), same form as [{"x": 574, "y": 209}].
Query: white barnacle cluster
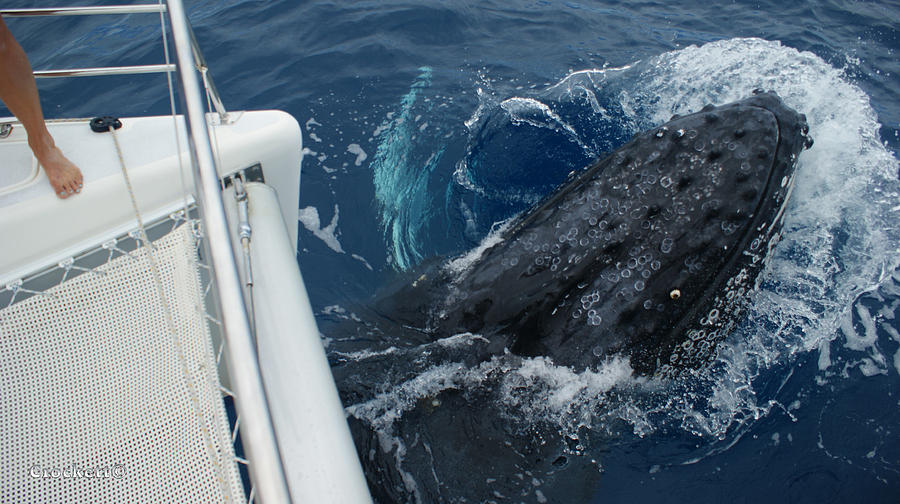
[
  {"x": 544, "y": 253},
  {"x": 509, "y": 262},
  {"x": 613, "y": 220},
  {"x": 666, "y": 245},
  {"x": 588, "y": 301},
  {"x": 647, "y": 178},
  {"x": 651, "y": 191},
  {"x": 700, "y": 341},
  {"x": 598, "y": 217}
]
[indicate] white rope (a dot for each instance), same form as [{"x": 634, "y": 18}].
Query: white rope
[
  {"x": 211, "y": 126},
  {"x": 170, "y": 323}
]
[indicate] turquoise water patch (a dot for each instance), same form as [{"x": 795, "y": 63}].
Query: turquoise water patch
[{"x": 400, "y": 180}]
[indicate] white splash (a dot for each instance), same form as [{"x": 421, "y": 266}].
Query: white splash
[
  {"x": 363, "y": 261},
  {"x": 484, "y": 102},
  {"x": 358, "y": 151},
  {"x": 309, "y": 217},
  {"x": 463, "y": 262},
  {"x": 534, "y": 113}
]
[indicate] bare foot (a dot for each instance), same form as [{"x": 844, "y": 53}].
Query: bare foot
[{"x": 63, "y": 175}]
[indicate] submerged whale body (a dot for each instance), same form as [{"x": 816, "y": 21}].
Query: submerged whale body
[{"x": 649, "y": 252}]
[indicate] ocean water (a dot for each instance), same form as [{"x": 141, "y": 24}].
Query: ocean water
[{"x": 428, "y": 123}]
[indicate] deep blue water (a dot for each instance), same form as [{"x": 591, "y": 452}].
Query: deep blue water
[{"x": 424, "y": 126}]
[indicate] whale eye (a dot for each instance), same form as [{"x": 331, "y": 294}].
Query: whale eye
[{"x": 675, "y": 294}]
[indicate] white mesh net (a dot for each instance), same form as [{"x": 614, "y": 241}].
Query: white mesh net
[{"x": 100, "y": 403}]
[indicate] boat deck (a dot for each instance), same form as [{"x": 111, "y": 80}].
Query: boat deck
[{"x": 58, "y": 229}]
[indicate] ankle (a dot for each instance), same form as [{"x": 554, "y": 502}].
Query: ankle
[{"x": 42, "y": 145}]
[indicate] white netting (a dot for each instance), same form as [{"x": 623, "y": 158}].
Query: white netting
[{"x": 96, "y": 402}]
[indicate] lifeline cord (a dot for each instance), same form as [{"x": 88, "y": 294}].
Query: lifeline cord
[{"x": 173, "y": 332}]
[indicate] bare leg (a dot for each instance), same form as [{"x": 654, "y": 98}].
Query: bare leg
[{"x": 19, "y": 92}]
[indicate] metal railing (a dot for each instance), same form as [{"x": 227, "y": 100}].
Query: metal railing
[
  {"x": 199, "y": 61},
  {"x": 257, "y": 432}
]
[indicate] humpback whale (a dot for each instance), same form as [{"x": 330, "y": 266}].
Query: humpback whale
[{"x": 650, "y": 252}]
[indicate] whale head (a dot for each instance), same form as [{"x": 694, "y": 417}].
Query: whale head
[{"x": 650, "y": 252}]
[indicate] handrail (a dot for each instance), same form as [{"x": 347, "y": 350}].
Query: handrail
[
  {"x": 199, "y": 60},
  {"x": 257, "y": 431},
  {"x": 88, "y": 72},
  {"x": 85, "y": 11}
]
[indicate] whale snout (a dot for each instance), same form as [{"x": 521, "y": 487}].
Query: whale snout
[{"x": 793, "y": 127}]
